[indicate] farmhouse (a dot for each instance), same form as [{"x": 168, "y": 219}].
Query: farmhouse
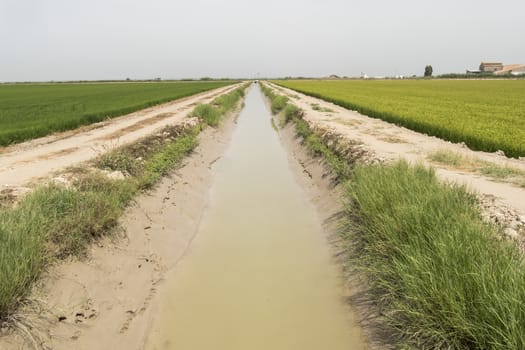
[
  {"x": 490, "y": 66},
  {"x": 513, "y": 69}
]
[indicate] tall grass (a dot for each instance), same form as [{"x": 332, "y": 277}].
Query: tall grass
[
  {"x": 53, "y": 222},
  {"x": 439, "y": 273},
  {"x": 32, "y": 110}
]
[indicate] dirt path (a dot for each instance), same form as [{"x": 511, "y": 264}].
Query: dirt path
[
  {"x": 32, "y": 160},
  {"x": 505, "y": 202}
]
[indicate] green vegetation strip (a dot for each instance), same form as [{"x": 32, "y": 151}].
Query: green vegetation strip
[
  {"x": 54, "y": 221},
  {"x": 28, "y": 111},
  {"x": 487, "y": 115},
  {"x": 437, "y": 272}
]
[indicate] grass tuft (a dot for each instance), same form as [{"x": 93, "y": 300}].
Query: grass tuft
[
  {"x": 316, "y": 107},
  {"x": 448, "y": 158},
  {"x": 291, "y": 112},
  {"x": 207, "y": 113},
  {"x": 53, "y": 222},
  {"x": 440, "y": 275},
  {"x": 500, "y": 172},
  {"x": 279, "y": 103}
]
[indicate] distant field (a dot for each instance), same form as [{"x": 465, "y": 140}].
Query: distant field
[
  {"x": 32, "y": 110},
  {"x": 486, "y": 115}
]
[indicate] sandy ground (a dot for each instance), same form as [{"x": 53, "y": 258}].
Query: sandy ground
[
  {"x": 30, "y": 161},
  {"x": 108, "y": 300},
  {"x": 504, "y": 202}
]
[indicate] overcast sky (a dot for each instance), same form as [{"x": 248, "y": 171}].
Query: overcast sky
[{"x": 115, "y": 39}]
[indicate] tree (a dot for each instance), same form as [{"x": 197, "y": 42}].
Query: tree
[{"x": 428, "y": 71}]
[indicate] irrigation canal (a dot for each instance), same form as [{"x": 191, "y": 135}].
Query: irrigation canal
[{"x": 259, "y": 274}]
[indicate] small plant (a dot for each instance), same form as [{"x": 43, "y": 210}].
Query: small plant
[
  {"x": 123, "y": 162},
  {"x": 316, "y": 107},
  {"x": 278, "y": 104},
  {"x": 207, "y": 113},
  {"x": 290, "y": 112}
]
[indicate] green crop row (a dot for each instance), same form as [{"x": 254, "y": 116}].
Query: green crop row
[
  {"x": 485, "y": 115},
  {"x": 28, "y": 111}
]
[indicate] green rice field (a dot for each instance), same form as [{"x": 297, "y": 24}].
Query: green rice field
[
  {"x": 487, "y": 115},
  {"x": 28, "y": 111}
]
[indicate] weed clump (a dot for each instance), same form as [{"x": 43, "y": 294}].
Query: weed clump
[
  {"x": 291, "y": 112},
  {"x": 207, "y": 113},
  {"x": 278, "y": 104}
]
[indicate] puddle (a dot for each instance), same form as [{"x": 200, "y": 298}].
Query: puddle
[{"x": 259, "y": 273}]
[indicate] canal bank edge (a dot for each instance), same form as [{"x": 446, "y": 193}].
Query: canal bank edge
[
  {"x": 116, "y": 283},
  {"x": 496, "y": 260},
  {"x": 326, "y": 194}
]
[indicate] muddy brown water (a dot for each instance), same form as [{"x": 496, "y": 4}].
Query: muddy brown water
[{"x": 259, "y": 274}]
